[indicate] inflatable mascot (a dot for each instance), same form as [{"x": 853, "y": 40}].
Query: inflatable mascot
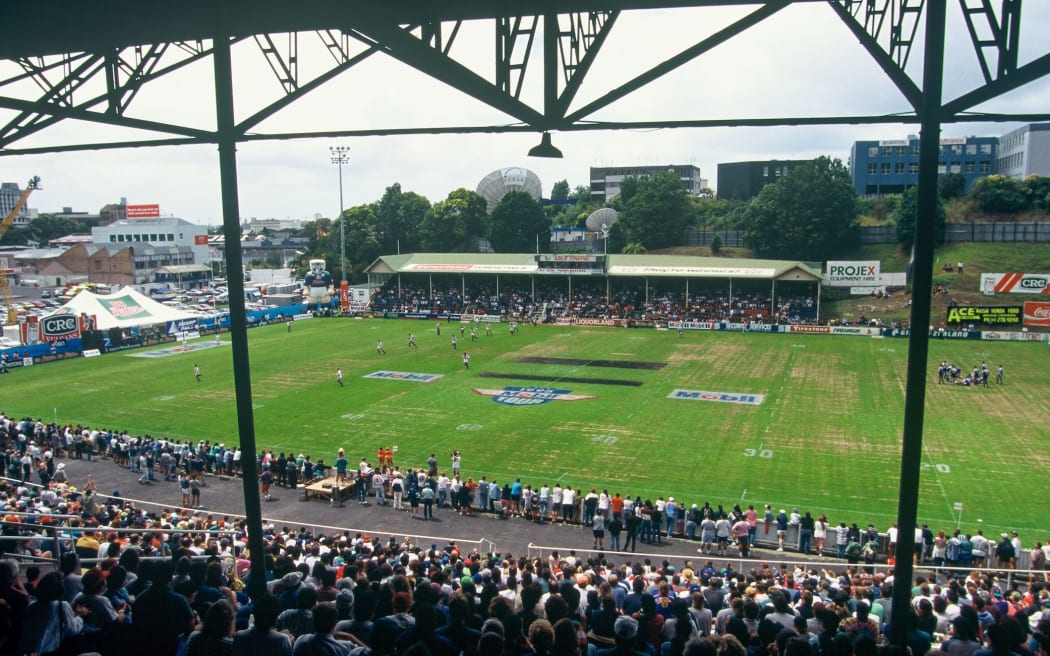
[{"x": 318, "y": 284}]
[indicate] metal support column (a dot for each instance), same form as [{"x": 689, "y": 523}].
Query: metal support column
[
  {"x": 918, "y": 341},
  {"x": 242, "y": 380}
]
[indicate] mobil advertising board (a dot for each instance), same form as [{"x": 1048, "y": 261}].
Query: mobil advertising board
[
  {"x": 852, "y": 273},
  {"x": 1015, "y": 283}
]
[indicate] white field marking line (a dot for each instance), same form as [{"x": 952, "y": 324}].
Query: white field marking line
[
  {"x": 743, "y": 494},
  {"x": 944, "y": 493}
]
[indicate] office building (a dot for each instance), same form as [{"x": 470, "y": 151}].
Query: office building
[
  {"x": 743, "y": 180},
  {"x": 606, "y": 180},
  {"x": 1024, "y": 151},
  {"x": 891, "y": 166}
]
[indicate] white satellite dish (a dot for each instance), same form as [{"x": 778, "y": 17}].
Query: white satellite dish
[{"x": 601, "y": 220}]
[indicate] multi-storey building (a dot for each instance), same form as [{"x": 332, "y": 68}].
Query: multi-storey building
[
  {"x": 606, "y": 181},
  {"x": 891, "y": 166},
  {"x": 743, "y": 180}
]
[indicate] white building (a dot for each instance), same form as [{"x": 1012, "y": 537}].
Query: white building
[
  {"x": 1024, "y": 151},
  {"x": 167, "y": 231},
  {"x": 10, "y": 193}
]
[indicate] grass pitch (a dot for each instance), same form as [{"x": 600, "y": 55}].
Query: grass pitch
[{"x": 825, "y": 438}]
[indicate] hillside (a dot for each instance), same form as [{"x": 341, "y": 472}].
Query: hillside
[{"x": 978, "y": 257}]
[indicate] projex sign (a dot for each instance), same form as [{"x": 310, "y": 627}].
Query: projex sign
[{"x": 851, "y": 273}]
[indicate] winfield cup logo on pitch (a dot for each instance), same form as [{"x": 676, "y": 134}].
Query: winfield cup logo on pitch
[{"x": 530, "y": 395}]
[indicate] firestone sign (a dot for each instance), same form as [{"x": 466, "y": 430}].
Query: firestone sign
[{"x": 852, "y": 273}]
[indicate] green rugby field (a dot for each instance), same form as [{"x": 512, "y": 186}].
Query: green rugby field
[{"x": 825, "y": 436}]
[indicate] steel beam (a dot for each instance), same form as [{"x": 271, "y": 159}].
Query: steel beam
[{"x": 918, "y": 340}]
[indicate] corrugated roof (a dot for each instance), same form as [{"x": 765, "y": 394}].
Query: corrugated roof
[{"x": 671, "y": 266}]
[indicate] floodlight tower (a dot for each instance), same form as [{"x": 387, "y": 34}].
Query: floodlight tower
[{"x": 340, "y": 156}]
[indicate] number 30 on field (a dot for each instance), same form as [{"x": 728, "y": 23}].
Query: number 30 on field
[{"x": 761, "y": 453}]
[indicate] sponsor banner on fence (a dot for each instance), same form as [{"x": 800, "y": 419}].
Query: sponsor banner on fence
[
  {"x": 59, "y": 327},
  {"x": 807, "y": 329},
  {"x": 182, "y": 326},
  {"x": 612, "y": 323},
  {"x": 403, "y": 375},
  {"x": 748, "y": 327},
  {"x": 531, "y": 395},
  {"x": 852, "y": 273},
  {"x": 942, "y": 333},
  {"x": 718, "y": 397},
  {"x": 567, "y": 321},
  {"x": 691, "y": 325},
  {"x": 864, "y": 331},
  {"x": 985, "y": 314},
  {"x": 1015, "y": 283},
  {"x": 1036, "y": 313},
  {"x": 1012, "y": 336}
]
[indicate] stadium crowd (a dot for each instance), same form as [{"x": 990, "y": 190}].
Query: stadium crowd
[
  {"x": 589, "y": 301},
  {"x": 175, "y": 579}
]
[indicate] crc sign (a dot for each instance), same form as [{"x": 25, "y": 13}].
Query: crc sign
[
  {"x": 852, "y": 273},
  {"x": 55, "y": 328},
  {"x": 1015, "y": 283}
]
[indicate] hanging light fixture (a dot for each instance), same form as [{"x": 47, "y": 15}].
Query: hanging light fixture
[{"x": 545, "y": 148}]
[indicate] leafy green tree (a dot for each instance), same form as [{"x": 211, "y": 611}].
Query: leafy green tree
[
  {"x": 951, "y": 185},
  {"x": 999, "y": 193},
  {"x": 655, "y": 209},
  {"x": 717, "y": 213},
  {"x": 400, "y": 215},
  {"x": 449, "y": 225},
  {"x": 878, "y": 207},
  {"x": 560, "y": 191},
  {"x": 516, "y": 222},
  {"x": 617, "y": 239},
  {"x": 906, "y": 212},
  {"x": 809, "y": 214},
  {"x": 1037, "y": 191},
  {"x": 716, "y": 243},
  {"x": 635, "y": 248},
  {"x": 363, "y": 244},
  {"x": 316, "y": 233}
]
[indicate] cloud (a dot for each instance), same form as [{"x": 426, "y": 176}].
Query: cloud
[{"x": 800, "y": 62}]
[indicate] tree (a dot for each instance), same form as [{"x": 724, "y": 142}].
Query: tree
[
  {"x": 655, "y": 209},
  {"x": 400, "y": 215},
  {"x": 716, "y": 243},
  {"x": 951, "y": 185},
  {"x": 616, "y": 242},
  {"x": 635, "y": 248},
  {"x": 516, "y": 223},
  {"x": 362, "y": 241},
  {"x": 999, "y": 193},
  {"x": 809, "y": 214},
  {"x": 906, "y": 212},
  {"x": 449, "y": 225},
  {"x": 1037, "y": 190},
  {"x": 560, "y": 192}
]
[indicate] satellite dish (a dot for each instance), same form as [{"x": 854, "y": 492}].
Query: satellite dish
[{"x": 601, "y": 220}]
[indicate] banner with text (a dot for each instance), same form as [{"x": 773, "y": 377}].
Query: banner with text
[
  {"x": 852, "y": 273},
  {"x": 1015, "y": 283},
  {"x": 985, "y": 314},
  {"x": 1037, "y": 313}
]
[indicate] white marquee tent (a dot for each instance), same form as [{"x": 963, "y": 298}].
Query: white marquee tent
[{"x": 126, "y": 308}]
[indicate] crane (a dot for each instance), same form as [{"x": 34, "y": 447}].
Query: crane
[{"x": 5, "y": 288}]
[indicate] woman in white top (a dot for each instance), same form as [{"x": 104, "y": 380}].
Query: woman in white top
[{"x": 820, "y": 533}]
